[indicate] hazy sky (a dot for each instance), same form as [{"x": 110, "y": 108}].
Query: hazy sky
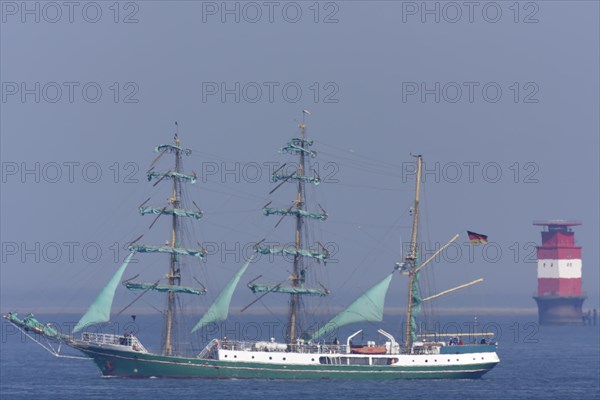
[{"x": 501, "y": 100}]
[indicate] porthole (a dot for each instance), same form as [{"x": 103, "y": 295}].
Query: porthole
[
  {"x": 426, "y": 360},
  {"x": 253, "y": 357},
  {"x": 234, "y": 356},
  {"x": 312, "y": 359},
  {"x": 283, "y": 358},
  {"x": 225, "y": 355},
  {"x": 448, "y": 360},
  {"x": 270, "y": 358}
]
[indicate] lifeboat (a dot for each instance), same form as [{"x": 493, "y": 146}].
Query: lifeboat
[{"x": 369, "y": 350}]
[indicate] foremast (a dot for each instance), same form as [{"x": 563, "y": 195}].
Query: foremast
[
  {"x": 297, "y": 288},
  {"x": 173, "y": 246},
  {"x": 411, "y": 263}
]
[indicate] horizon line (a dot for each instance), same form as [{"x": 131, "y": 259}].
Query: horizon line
[{"x": 508, "y": 311}]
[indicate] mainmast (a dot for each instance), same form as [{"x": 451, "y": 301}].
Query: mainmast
[
  {"x": 300, "y": 146},
  {"x": 174, "y": 276},
  {"x": 298, "y": 276},
  {"x": 411, "y": 258}
]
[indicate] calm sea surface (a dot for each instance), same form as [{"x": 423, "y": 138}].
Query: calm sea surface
[{"x": 536, "y": 363}]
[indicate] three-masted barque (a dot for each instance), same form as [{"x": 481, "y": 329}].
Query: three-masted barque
[{"x": 300, "y": 355}]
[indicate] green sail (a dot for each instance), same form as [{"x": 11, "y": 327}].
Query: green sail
[
  {"x": 258, "y": 288},
  {"x": 416, "y": 307},
  {"x": 99, "y": 311},
  {"x": 163, "y": 288},
  {"x": 219, "y": 310},
  {"x": 180, "y": 212},
  {"x": 295, "y": 177},
  {"x": 368, "y": 307},
  {"x": 172, "y": 175},
  {"x": 172, "y": 149},
  {"x": 142, "y": 248},
  {"x": 301, "y": 213},
  {"x": 296, "y": 146},
  {"x": 291, "y": 251}
]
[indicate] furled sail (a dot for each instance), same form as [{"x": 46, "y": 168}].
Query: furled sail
[
  {"x": 295, "y": 177},
  {"x": 29, "y": 323},
  {"x": 368, "y": 307},
  {"x": 99, "y": 311},
  {"x": 292, "y": 251},
  {"x": 219, "y": 310},
  {"x": 200, "y": 253},
  {"x": 172, "y": 149},
  {"x": 172, "y": 175},
  {"x": 296, "y": 145},
  {"x": 416, "y": 307},
  {"x": 163, "y": 288},
  {"x": 301, "y": 213},
  {"x": 180, "y": 212},
  {"x": 258, "y": 288}
]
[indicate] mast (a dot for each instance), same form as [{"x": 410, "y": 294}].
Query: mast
[
  {"x": 174, "y": 208},
  {"x": 300, "y": 146},
  {"x": 411, "y": 258},
  {"x": 297, "y": 280},
  {"x": 173, "y": 276}
]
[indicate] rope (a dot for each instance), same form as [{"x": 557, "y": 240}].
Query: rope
[{"x": 49, "y": 348}]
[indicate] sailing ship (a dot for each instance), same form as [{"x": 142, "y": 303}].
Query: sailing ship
[{"x": 302, "y": 354}]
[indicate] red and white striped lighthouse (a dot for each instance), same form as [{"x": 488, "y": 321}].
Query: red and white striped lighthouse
[{"x": 559, "y": 296}]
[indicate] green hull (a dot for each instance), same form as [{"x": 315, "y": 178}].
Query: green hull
[{"x": 136, "y": 365}]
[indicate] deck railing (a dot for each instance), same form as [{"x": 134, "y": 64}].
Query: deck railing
[
  {"x": 281, "y": 347},
  {"x": 129, "y": 341}
]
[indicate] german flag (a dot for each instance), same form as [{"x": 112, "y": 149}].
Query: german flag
[{"x": 477, "y": 238}]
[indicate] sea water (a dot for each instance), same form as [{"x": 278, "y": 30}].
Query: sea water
[{"x": 537, "y": 362}]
